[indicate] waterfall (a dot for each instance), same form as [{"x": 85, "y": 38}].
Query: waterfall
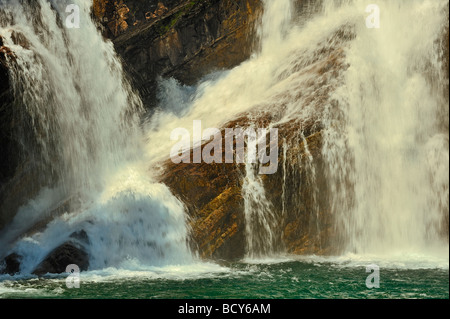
[
  {"x": 384, "y": 116},
  {"x": 376, "y": 97},
  {"x": 386, "y": 137},
  {"x": 261, "y": 222},
  {"x": 85, "y": 118},
  {"x": 373, "y": 100},
  {"x": 70, "y": 83}
]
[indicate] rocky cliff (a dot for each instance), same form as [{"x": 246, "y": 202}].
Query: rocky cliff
[{"x": 180, "y": 39}]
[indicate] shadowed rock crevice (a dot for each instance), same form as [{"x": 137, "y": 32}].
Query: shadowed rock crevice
[{"x": 11, "y": 264}]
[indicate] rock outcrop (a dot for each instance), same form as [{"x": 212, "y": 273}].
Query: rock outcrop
[
  {"x": 212, "y": 195},
  {"x": 182, "y": 39},
  {"x": 214, "y": 198},
  {"x": 297, "y": 193},
  {"x": 70, "y": 252}
]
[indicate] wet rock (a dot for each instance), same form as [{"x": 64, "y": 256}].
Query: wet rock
[
  {"x": 9, "y": 148},
  {"x": 118, "y": 23},
  {"x": 212, "y": 195},
  {"x": 81, "y": 236},
  {"x": 298, "y": 192},
  {"x": 21, "y": 175},
  {"x": 113, "y": 15},
  {"x": 58, "y": 259},
  {"x": 159, "y": 12},
  {"x": 11, "y": 264},
  {"x": 6, "y": 53}
]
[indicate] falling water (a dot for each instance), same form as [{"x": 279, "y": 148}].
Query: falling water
[
  {"x": 386, "y": 143},
  {"x": 261, "y": 222},
  {"x": 375, "y": 95},
  {"x": 83, "y": 112},
  {"x": 85, "y": 118}
]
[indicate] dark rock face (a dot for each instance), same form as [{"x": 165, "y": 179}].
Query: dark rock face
[
  {"x": 21, "y": 175},
  {"x": 11, "y": 264},
  {"x": 7, "y": 164},
  {"x": 182, "y": 39},
  {"x": 57, "y": 260},
  {"x": 118, "y": 16},
  {"x": 8, "y": 146}
]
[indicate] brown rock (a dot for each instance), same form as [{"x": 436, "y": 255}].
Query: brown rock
[
  {"x": 298, "y": 191},
  {"x": 212, "y": 195},
  {"x": 161, "y": 10}
]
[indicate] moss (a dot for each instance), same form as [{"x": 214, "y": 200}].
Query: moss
[{"x": 163, "y": 29}]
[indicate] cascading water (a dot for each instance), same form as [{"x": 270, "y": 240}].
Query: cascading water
[
  {"x": 375, "y": 95},
  {"x": 181, "y": 105},
  {"x": 386, "y": 144},
  {"x": 385, "y": 132},
  {"x": 85, "y": 118},
  {"x": 82, "y": 111},
  {"x": 261, "y": 222}
]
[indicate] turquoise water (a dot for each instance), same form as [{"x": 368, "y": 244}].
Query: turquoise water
[{"x": 290, "y": 279}]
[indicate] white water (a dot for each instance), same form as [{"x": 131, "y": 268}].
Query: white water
[
  {"x": 376, "y": 149},
  {"x": 238, "y": 91},
  {"x": 389, "y": 154},
  {"x": 385, "y": 147},
  {"x": 85, "y": 116},
  {"x": 261, "y": 223},
  {"x": 82, "y": 110}
]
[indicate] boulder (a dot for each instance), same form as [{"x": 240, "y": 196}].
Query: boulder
[
  {"x": 71, "y": 252},
  {"x": 62, "y": 256},
  {"x": 11, "y": 264}
]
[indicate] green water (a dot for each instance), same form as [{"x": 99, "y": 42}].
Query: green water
[{"x": 286, "y": 280}]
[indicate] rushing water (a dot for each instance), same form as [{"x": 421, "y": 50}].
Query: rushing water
[
  {"x": 385, "y": 149},
  {"x": 292, "y": 278},
  {"x": 86, "y": 120},
  {"x": 387, "y": 143}
]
